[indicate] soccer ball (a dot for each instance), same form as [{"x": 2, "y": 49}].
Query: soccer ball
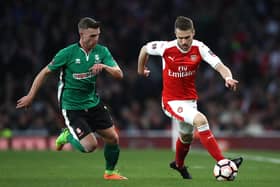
[{"x": 225, "y": 170}]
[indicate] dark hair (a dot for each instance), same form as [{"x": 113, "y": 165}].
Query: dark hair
[
  {"x": 88, "y": 22},
  {"x": 183, "y": 23}
]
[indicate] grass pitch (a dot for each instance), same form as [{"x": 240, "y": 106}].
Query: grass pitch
[{"x": 144, "y": 168}]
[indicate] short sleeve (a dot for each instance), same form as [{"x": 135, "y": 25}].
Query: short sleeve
[
  {"x": 59, "y": 60},
  {"x": 108, "y": 58},
  {"x": 156, "y": 47},
  {"x": 208, "y": 56}
]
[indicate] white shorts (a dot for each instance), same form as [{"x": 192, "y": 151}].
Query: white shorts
[{"x": 184, "y": 112}]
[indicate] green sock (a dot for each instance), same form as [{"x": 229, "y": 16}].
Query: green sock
[
  {"x": 75, "y": 143},
  {"x": 111, "y": 154}
]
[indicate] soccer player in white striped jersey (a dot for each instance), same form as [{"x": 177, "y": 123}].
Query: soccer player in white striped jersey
[{"x": 180, "y": 61}]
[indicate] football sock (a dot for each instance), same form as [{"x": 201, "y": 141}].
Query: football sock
[
  {"x": 182, "y": 150},
  {"x": 111, "y": 154},
  {"x": 209, "y": 142},
  {"x": 75, "y": 143}
]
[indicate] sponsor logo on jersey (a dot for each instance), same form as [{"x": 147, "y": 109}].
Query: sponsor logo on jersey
[
  {"x": 80, "y": 76},
  {"x": 181, "y": 72}
]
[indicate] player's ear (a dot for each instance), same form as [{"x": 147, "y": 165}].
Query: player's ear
[
  {"x": 81, "y": 32},
  {"x": 193, "y": 32}
]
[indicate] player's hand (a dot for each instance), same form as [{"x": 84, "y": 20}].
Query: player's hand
[
  {"x": 97, "y": 68},
  {"x": 231, "y": 83},
  {"x": 24, "y": 102},
  {"x": 146, "y": 72}
]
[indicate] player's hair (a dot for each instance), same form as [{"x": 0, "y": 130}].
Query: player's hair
[
  {"x": 88, "y": 22},
  {"x": 183, "y": 23}
]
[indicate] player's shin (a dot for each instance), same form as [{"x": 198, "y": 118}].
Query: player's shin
[
  {"x": 75, "y": 143},
  {"x": 209, "y": 142},
  {"x": 182, "y": 149},
  {"x": 111, "y": 154}
]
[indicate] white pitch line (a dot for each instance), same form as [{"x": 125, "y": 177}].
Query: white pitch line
[
  {"x": 248, "y": 157},
  {"x": 260, "y": 158}
]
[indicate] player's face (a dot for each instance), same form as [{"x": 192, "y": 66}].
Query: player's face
[
  {"x": 184, "y": 38},
  {"x": 89, "y": 37}
]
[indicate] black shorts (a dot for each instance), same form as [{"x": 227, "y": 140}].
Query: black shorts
[{"x": 83, "y": 122}]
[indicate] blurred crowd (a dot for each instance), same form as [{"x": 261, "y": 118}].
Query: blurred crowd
[{"x": 244, "y": 34}]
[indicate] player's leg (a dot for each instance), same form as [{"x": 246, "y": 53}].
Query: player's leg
[
  {"x": 102, "y": 123},
  {"x": 77, "y": 133},
  {"x": 183, "y": 141},
  {"x": 182, "y": 148},
  {"x": 111, "y": 153},
  {"x": 208, "y": 140},
  {"x": 206, "y": 136}
]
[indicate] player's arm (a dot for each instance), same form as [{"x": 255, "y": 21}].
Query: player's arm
[
  {"x": 142, "y": 61},
  {"x": 108, "y": 64},
  {"x": 215, "y": 62},
  {"x": 115, "y": 71},
  {"x": 227, "y": 76},
  {"x": 26, "y": 101}
]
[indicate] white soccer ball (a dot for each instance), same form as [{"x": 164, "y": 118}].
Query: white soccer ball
[{"x": 225, "y": 170}]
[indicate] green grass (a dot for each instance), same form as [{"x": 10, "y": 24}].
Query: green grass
[{"x": 144, "y": 168}]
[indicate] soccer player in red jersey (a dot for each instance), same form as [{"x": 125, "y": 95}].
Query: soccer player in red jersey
[{"x": 180, "y": 61}]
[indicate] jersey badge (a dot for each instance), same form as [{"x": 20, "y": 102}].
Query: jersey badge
[
  {"x": 193, "y": 57},
  {"x": 77, "y": 61},
  {"x": 97, "y": 59}
]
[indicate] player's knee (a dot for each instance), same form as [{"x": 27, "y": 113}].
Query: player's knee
[
  {"x": 89, "y": 147},
  {"x": 113, "y": 139},
  {"x": 186, "y": 138},
  {"x": 199, "y": 120}
]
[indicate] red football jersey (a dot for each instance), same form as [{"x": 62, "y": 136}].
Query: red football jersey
[{"x": 179, "y": 67}]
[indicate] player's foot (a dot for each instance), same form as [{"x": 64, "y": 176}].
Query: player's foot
[
  {"x": 113, "y": 175},
  {"x": 237, "y": 161},
  {"x": 61, "y": 140},
  {"x": 183, "y": 171}
]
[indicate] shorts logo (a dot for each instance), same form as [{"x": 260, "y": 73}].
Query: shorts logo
[
  {"x": 79, "y": 132},
  {"x": 180, "y": 109},
  {"x": 154, "y": 46}
]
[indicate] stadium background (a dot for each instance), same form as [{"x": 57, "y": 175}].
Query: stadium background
[{"x": 245, "y": 34}]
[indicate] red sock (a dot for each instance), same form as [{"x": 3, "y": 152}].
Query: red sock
[
  {"x": 209, "y": 142},
  {"x": 181, "y": 152}
]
